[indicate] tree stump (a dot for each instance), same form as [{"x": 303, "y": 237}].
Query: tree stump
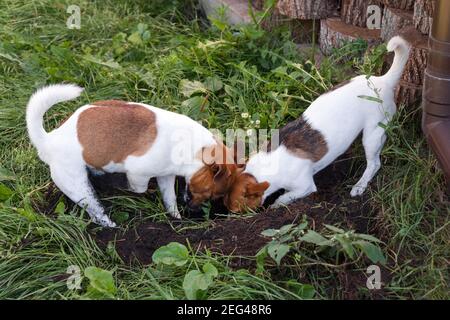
[
  {"x": 400, "y": 4},
  {"x": 308, "y": 9},
  {"x": 423, "y": 15},
  {"x": 418, "y": 58},
  {"x": 354, "y": 12},
  {"x": 334, "y": 33},
  {"x": 407, "y": 93},
  {"x": 394, "y": 20}
]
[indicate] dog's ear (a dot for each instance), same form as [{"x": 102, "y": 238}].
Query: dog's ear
[
  {"x": 221, "y": 172},
  {"x": 256, "y": 189}
]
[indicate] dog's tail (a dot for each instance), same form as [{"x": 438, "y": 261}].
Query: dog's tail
[
  {"x": 401, "y": 48},
  {"x": 40, "y": 102}
]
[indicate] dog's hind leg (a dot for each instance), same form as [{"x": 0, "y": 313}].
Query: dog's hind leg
[
  {"x": 373, "y": 141},
  {"x": 75, "y": 184}
]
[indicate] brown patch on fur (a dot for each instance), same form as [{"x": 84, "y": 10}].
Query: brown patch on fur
[
  {"x": 114, "y": 130},
  {"x": 245, "y": 192},
  {"x": 302, "y": 140}
]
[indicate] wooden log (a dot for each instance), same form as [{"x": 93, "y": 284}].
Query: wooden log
[
  {"x": 308, "y": 9},
  {"x": 354, "y": 12},
  {"x": 394, "y": 20},
  {"x": 334, "y": 33},
  {"x": 418, "y": 58},
  {"x": 407, "y": 94},
  {"x": 400, "y": 4},
  {"x": 423, "y": 15}
]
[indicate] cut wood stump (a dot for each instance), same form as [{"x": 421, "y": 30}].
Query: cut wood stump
[
  {"x": 308, "y": 9},
  {"x": 394, "y": 20},
  {"x": 407, "y": 94},
  {"x": 334, "y": 33},
  {"x": 423, "y": 15},
  {"x": 354, "y": 12},
  {"x": 400, "y": 4},
  {"x": 418, "y": 58}
]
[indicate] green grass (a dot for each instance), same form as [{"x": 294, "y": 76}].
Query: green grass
[{"x": 141, "y": 51}]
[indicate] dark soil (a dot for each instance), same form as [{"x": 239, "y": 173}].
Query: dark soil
[{"x": 241, "y": 236}]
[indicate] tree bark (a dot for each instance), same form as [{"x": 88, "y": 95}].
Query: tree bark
[
  {"x": 407, "y": 94},
  {"x": 400, "y": 4},
  {"x": 418, "y": 58},
  {"x": 308, "y": 9},
  {"x": 394, "y": 20},
  {"x": 334, "y": 33},
  {"x": 354, "y": 12},
  {"x": 423, "y": 15}
]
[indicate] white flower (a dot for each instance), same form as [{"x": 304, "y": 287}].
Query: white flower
[
  {"x": 257, "y": 122},
  {"x": 250, "y": 132},
  {"x": 244, "y": 115}
]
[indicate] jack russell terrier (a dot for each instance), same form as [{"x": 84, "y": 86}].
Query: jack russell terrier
[
  {"x": 133, "y": 138},
  {"x": 325, "y": 130}
]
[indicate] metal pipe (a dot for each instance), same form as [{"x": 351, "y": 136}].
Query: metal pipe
[{"x": 436, "y": 89}]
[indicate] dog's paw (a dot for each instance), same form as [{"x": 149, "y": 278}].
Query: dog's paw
[
  {"x": 357, "y": 190},
  {"x": 105, "y": 221},
  {"x": 176, "y": 215}
]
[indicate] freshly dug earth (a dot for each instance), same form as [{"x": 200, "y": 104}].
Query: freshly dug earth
[{"x": 241, "y": 236}]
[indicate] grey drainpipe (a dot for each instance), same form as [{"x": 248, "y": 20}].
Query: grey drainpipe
[{"x": 436, "y": 89}]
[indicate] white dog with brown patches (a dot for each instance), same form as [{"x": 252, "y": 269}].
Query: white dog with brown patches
[
  {"x": 134, "y": 138},
  {"x": 325, "y": 130}
]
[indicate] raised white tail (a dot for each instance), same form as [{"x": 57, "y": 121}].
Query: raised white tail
[
  {"x": 40, "y": 102},
  {"x": 401, "y": 48}
]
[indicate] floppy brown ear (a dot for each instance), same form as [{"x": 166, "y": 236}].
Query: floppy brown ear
[
  {"x": 221, "y": 172},
  {"x": 257, "y": 188}
]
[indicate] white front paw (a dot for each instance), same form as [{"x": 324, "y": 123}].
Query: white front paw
[
  {"x": 357, "y": 190},
  {"x": 175, "y": 213}
]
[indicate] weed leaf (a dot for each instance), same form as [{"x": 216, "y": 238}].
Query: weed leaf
[{"x": 172, "y": 254}]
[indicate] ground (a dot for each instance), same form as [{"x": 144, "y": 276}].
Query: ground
[{"x": 155, "y": 52}]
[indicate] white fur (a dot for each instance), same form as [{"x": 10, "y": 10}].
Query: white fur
[
  {"x": 339, "y": 116},
  {"x": 61, "y": 150}
]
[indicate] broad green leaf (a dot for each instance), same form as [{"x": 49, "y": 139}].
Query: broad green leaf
[
  {"x": 346, "y": 245},
  {"x": 270, "y": 232},
  {"x": 372, "y": 251},
  {"x": 172, "y": 254},
  {"x": 188, "y": 88},
  {"x": 210, "y": 270},
  {"x": 314, "y": 237},
  {"x": 367, "y": 237},
  {"x": 195, "y": 103},
  {"x": 6, "y": 175},
  {"x": 5, "y": 192},
  {"x": 101, "y": 283},
  {"x": 305, "y": 291},
  {"x": 60, "y": 207},
  {"x": 196, "y": 282},
  {"x": 213, "y": 84},
  {"x": 277, "y": 251},
  {"x": 334, "y": 229},
  {"x": 286, "y": 228},
  {"x": 120, "y": 217},
  {"x": 135, "y": 38}
]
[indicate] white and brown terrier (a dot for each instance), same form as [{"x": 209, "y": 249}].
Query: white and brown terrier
[
  {"x": 133, "y": 138},
  {"x": 325, "y": 130}
]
